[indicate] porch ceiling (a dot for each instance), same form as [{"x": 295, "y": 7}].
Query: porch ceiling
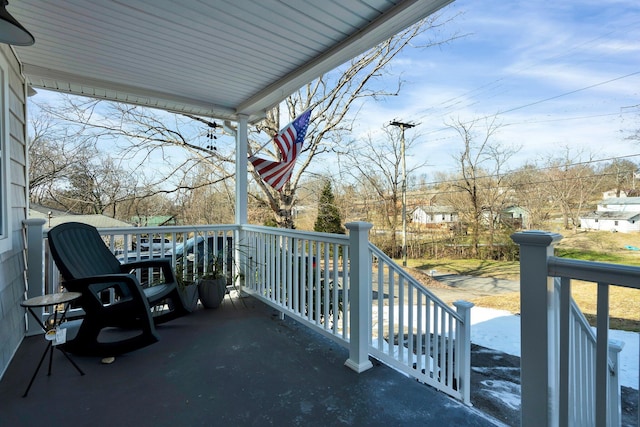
[{"x": 212, "y": 58}]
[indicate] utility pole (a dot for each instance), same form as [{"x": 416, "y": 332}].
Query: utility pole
[{"x": 402, "y": 127}]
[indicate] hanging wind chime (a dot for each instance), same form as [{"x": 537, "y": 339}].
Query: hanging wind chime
[{"x": 211, "y": 136}]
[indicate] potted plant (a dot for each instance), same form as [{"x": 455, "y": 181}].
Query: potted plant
[
  {"x": 212, "y": 284},
  {"x": 188, "y": 288}
]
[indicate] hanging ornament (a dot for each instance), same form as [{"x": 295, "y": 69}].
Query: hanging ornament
[{"x": 211, "y": 135}]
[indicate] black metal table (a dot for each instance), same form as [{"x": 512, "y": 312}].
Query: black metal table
[{"x": 50, "y": 329}]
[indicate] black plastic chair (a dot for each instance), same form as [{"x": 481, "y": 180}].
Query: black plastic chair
[{"x": 89, "y": 267}]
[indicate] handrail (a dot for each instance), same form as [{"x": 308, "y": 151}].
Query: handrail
[
  {"x": 418, "y": 333},
  {"x": 378, "y": 253},
  {"x": 592, "y": 271}
]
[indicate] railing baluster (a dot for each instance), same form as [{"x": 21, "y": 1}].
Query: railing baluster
[
  {"x": 602, "y": 353},
  {"x": 564, "y": 374}
]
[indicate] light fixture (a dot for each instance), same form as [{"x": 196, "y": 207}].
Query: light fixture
[{"x": 11, "y": 32}]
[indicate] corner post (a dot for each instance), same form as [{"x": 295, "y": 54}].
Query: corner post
[
  {"x": 540, "y": 404},
  {"x": 614, "y": 402},
  {"x": 34, "y": 265},
  {"x": 360, "y": 296},
  {"x": 463, "y": 337}
]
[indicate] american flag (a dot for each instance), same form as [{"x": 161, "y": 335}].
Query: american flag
[{"x": 289, "y": 142}]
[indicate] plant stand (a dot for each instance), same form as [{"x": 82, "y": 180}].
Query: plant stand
[{"x": 212, "y": 291}]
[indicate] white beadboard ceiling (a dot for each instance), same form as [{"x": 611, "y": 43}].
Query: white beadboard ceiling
[{"x": 215, "y": 58}]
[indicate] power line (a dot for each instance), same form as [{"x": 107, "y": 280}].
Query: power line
[{"x": 541, "y": 169}]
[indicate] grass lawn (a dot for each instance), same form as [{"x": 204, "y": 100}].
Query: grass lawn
[{"x": 592, "y": 246}]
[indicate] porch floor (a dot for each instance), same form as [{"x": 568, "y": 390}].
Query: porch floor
[{"x": 239, "y": 365}]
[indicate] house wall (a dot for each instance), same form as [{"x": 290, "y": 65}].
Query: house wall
[
  {"x": 609, "y": 225},
  {"x": 632, "y": 204},
  {"x": 12, "y": 267},
  {"x": 419, "y": 216}
]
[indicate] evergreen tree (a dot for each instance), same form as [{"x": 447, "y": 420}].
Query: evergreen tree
[{"x": 328, "y": 220}]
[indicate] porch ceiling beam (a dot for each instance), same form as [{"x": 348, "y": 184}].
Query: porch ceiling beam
[{"x": 61, "y": 81}]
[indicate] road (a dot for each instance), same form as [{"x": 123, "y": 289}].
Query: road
[{"x": 458, "y": 287}]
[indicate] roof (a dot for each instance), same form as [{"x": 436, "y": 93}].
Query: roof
[
  {"x": 612, "y": 215},
  {"x": 217, "y": 59},
  {"x": 98, "y": 221},
  {"x": 436, "y": 209},
  {"x": 621, "y": 201}
]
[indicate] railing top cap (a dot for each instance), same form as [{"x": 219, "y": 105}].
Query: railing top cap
[
  {"x": 536, "y": 237},
  {"x": 358, "y": 225}
]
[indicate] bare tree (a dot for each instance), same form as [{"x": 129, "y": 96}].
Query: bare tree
[
  {"x": 480, "y": 190},
  {"x": 52, "y": 153},
  {"x": 529, "y": 183},
  {"x": 96, "y": 187},
  {"x": 377, "y": 163},
  {"x": 570, "y": 183},
  {"x": 619, "y": 175}
]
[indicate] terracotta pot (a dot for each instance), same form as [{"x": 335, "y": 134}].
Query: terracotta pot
[{"x": 212, "y": 291}]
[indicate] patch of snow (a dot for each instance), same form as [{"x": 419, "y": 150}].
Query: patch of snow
[
  {"x": 500, "y": 330},
  {"x": 504, "y": 391}
]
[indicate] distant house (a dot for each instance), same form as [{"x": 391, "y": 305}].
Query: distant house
[
  {"x": 623, "y": 193},
  {"x": 620, "y": 214},
  {"x": 434, "y": 215},
  {"x": 515, "y": 216}
]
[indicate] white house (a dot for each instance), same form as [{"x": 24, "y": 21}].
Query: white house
[
  {"x": 620, "y": 214},
  {"x": 427, "y": 215}
]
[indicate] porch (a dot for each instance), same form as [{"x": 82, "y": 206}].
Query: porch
[{"x": 237, "y": 365}]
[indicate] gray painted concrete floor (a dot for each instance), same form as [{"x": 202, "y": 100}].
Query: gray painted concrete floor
[{"x": 239, "y": 365}]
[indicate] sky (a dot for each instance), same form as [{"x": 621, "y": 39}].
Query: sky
[{"x": 553, "y": 74}]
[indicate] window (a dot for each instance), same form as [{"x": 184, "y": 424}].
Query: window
[
  {"x": 615, "y": 222},
  {"x": 5, "y": 183}
]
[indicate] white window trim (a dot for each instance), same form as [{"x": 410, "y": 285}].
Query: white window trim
[{"x": 5, "y": 156}]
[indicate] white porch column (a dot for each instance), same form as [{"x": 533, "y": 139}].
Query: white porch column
[
  {"x": 241, "y": 170},
  {"x": 539, "y": 400},
  {"x": 241, "y": 194},
  {"x": 34, "y": 266},
  {"x": 360, "y": 296}
]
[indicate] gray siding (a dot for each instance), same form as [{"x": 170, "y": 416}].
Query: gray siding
[{"x": 12, "y": 285}]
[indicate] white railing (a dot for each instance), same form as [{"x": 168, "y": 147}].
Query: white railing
[
  {"x": 123, "y": 243},
  {"x": 301, "y": 274},
  {"x": 565, "y": 380},
  {"x": 581, "y": 351},
  {"x": 327, "y": 282},
  {"x": 416, "y": 332}
]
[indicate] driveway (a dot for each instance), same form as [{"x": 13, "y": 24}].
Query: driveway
[{"x": 453, "y": 287}]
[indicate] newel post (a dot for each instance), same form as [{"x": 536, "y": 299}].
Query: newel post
[
  {"x": 360, "y": 296},
  {"x": 464, "y": 338},
  {"x": 34, "y": 247},
  {"x": 539, "y": 400}
]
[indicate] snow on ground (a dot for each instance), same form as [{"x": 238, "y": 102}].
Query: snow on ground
[{"x": 500, "y": 330}]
